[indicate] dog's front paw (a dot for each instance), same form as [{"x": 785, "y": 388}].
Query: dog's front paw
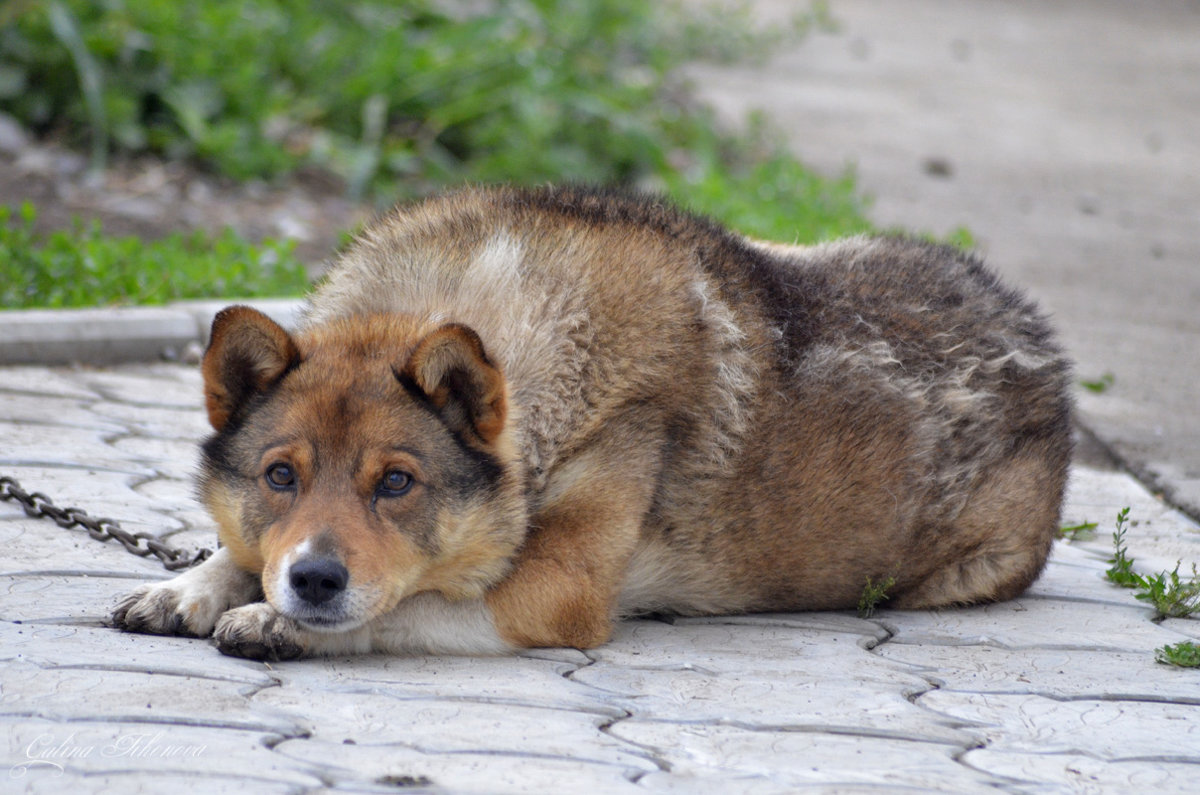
[
  {"x": 259, "y": 632},
  {"x": 191, "y": 603},
  {"x": 168, "y": 609}
]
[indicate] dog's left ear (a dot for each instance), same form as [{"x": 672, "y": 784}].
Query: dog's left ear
[
  {"x": 452, "y": 370},
  {"x": 248, "y": 352}
]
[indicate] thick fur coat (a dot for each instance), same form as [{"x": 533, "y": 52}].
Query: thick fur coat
[{"x": 513, "y": 416}]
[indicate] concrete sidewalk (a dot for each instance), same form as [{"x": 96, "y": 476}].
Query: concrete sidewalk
[{"x": 1057, "y": 691}]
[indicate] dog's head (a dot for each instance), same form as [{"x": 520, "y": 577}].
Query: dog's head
[{"x": 359, "y": 463}]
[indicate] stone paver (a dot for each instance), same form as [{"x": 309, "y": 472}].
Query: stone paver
[{"x": 1057, "y": 691}]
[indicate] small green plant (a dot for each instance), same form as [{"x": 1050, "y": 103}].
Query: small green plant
[
  {"x": 1076, "y": 532},
  {"x": 873, "y": 593},
  {"x": 1099, "y": 385},
  {"x": 1172, "y": 596},
  {"x": 962, "y": 237},
  {"x": 1185, "y": 654},
  {"x": 1120, "y": 572},
  {"x": 84, "y": 267}
]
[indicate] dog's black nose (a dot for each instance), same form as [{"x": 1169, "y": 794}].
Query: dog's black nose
[{"x": 318, "y": 580}]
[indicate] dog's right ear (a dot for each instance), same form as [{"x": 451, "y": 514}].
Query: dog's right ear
[
  {"x": 246, "y": 354},
  {"x": 454, "y": 373}
]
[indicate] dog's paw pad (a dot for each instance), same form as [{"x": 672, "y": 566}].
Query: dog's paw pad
[{"x": 258, "y": 632}]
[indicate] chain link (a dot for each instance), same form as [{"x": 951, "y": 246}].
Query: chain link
[{"x": 38, "y": 505}]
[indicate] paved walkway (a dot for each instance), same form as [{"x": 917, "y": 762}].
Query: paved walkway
[{"x": 1056, "y": 691}]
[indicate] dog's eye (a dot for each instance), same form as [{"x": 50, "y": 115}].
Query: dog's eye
[
  {"x": 281, "y": 477},
  {"x": 395, "y": 483}
]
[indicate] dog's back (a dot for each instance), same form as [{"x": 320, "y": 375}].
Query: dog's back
[{"x": 806, "y": 417}]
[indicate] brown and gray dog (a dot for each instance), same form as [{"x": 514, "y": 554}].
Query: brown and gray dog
[{"x": 514, "y": 416}]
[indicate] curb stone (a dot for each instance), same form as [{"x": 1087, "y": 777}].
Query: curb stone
[{"x": 117, "y": 335}]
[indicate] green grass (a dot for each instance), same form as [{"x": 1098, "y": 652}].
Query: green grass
[
  {"x": 401, "y": 99},
  {"x": 1120, "y": 571},
  {"x": 1076, "y": 532},
  {"x": 1185, "y": 654},
  {"x": 1099, "y": 386},
  {"x": 84, "y": 267},
  {"x": 873, "y": 593},
  {"x": 1171, "y": 596}
]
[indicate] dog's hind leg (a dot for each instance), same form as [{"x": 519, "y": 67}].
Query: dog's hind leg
[{"x": 1000, "y": 540}]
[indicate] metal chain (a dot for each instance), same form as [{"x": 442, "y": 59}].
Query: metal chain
[{"x": 38, "y": 505}]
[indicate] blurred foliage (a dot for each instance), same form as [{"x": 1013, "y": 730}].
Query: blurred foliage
[
  {"x": 84, "y": 267},
  {"x": 402, "y": 98}
]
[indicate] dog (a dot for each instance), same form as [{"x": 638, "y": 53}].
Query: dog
[{"x": 512, "y": 417}]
